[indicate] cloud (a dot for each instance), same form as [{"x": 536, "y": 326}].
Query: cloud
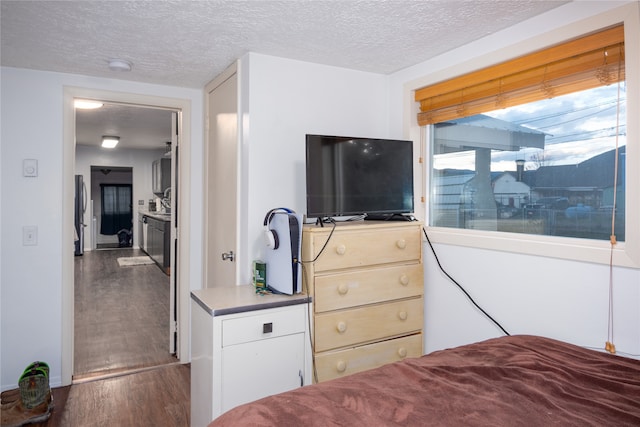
[{"x": 578, "y": 126}]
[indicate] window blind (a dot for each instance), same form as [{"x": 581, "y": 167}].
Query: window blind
[{"x": 590, "y": 61}]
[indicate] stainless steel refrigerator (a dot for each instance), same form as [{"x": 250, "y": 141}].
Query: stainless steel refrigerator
[{"x": 80, "y": 206}]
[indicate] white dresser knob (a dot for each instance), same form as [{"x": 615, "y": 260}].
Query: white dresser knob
[
  {"x": 402, "y": 315},
  {"x": 341, "y": 366},
  {"x": 404, "y": 280},
  {"x": 341, "y": 249},
  {"x": 341, "y": 327},
  {"x": 402, "y": 352},
  {"x": 401, "y": 243},
  {"x": 343, "y": 288}
]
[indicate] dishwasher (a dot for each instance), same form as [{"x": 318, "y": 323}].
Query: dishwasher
[{"x": 144, "y": 243}]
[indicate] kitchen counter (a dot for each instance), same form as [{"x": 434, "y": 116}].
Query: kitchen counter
[
  {"x": 157, "y": 215},
  {"x": 239, "y": 299}
]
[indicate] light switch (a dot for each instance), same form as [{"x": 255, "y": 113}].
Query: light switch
[
  {"x": 30, "y": 235},
  {"x": 30, "y": 167}
]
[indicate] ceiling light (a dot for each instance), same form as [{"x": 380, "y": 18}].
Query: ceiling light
[
  {"x": 110, "y": 141},
  {"x": 119, "y": 65},
  {"x": 87, "y": 104}
]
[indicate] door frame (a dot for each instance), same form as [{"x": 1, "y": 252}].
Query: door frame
[{"x": 183, "y": 106}]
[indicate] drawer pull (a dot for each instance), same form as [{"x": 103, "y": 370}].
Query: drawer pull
[
  {"x": 402, "y": 315},
  {"x": 404, "y": 280},
  {"x": 343, "y": 288},
  {"x": 341, "y": 327},
  {"x": 341, "y": 366},
  {"x": 267, "y": 328},
  {"x": 401, "y": 243},
  {"x": 402, "y": 352},
  {"x": 341, "y": 249}
]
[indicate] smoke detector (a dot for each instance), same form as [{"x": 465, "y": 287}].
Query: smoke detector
[{"x": 119, "y": 65}]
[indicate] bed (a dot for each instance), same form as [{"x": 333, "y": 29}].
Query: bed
[{"x": 510, "y": 381}]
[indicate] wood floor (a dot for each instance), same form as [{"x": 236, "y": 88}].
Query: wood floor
[
  {"x": 121, "y": 315},
  {"x": 124, "y": 374},
  {"x": 158, "y": 397}
]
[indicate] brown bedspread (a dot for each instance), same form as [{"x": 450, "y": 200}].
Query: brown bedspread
[{"x": 510, "y": 381}]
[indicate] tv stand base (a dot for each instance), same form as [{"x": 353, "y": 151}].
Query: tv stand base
[{"x": 388, "y": 217}]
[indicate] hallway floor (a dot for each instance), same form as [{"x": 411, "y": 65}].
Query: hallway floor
[
  {"x": 156, "y": 397},
  {"x": 121, "y": 315}
]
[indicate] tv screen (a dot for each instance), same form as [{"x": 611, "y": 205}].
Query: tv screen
[{"x": 354, "y": 176}]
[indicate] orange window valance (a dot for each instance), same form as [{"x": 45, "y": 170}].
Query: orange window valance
[{"x": 584, "y": 63}]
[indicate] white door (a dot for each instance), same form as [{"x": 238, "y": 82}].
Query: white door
[{"x": 221, "y": 186}]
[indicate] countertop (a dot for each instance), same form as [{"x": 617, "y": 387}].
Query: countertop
[
  {"x": 239, "y": 299},
  {"x": 157, "y": 215}
]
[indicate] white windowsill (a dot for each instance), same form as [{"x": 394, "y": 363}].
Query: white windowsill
[{"x": 585, "y": 250}]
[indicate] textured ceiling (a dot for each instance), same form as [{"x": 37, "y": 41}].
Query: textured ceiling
[
  {"x": 137, "y": 127},
  {"x": 188, "y": 43}
]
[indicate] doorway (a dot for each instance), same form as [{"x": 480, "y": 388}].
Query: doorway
[
  {"x": 179, "y": 282},
  {"x": 110, "y": 205},
  {"x": 112, "y": 294}
]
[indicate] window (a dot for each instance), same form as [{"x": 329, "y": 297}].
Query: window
[
  {"x": 117, "y": 211},
  {"x": 536, "y": 145}
]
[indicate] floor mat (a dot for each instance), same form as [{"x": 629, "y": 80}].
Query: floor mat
[{"x": 134, "y": 260}]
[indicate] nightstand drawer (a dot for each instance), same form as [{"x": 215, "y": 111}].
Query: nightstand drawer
[
  {"x": 360, "y": 287},
  {"x": 266, "y": 324},
  {"x": 334, "y": 364},
  {"x": 354, "y": 249},
  {"x": 368, "y": 323}
]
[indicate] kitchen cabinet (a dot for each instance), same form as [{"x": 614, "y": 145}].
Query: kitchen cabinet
[
  {"x": 158, "y": 240},
  {"x": 367, "y": 289},
  {"x": 245, "y": 346},
  {"x": 155, "y": 239},
  {"x": 161, "y": 176}
]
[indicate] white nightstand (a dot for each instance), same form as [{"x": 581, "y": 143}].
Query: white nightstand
[{"x": 244, "y": 347}]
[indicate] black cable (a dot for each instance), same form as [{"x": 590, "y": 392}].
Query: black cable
[
  {"x": 460, "y": 286},
  {"x": 331, "y": 220}
]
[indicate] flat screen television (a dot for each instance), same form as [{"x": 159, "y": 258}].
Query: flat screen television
[{"x": 358, "y": 176}]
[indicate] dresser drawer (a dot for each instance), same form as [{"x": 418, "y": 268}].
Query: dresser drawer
[
  {"x": 334, "y": 364},
  {"x": 360, "y": 287},
  {"x": 352, "y": 248},
  {"x": 266, "y": 324},
  {"x": 369, "y": 323}
]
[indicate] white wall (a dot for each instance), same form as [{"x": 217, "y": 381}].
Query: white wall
[
  {"x": 283, "y": 101},
  {"x": 139, "y": 160},
  {"x": 31, "y": 276},
  {"x": 527, "y": 294}
]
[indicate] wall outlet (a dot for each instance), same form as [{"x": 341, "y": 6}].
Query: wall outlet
[{"x": 140, "y": 202}]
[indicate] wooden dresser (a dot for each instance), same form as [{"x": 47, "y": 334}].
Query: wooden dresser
[{"x": 367, "y": 289}]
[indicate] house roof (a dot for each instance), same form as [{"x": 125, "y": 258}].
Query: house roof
[
  {"x": 482, "y": 131},
  {"x": 596, "y": 172}
]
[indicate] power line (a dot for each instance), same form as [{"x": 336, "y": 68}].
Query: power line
[
  {"x": 612, "y": 132},
  {"x": 577, "y": 118},
  {"x": 528, "y": 120}
]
